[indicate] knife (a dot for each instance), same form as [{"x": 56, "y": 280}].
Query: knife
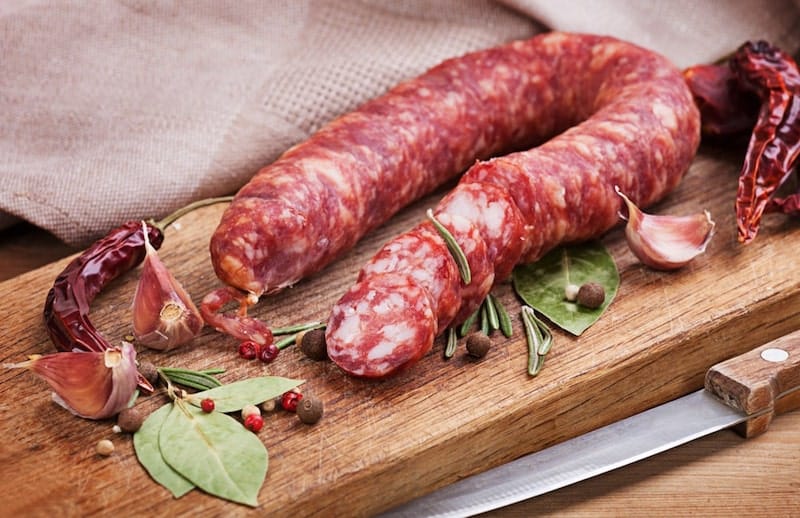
[{"x": 744, "y": 392}]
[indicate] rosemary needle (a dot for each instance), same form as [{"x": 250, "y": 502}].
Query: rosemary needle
[
  {"x": 452, "y": 246},
  {"x": 464, "y": 329},
  {"x": 491, "y": 313},
  {"x": 502, "y": 315},
  {"x": 452, "y": 342}
]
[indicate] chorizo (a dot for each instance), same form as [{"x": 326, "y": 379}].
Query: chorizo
[
  {"x": 314, "y": 202},
  {"x": 469, "y": 240},
  {"x": 393, "y": 313},
  {"x": 423, "y": 246},
  {"x": 630, "y": 122}
]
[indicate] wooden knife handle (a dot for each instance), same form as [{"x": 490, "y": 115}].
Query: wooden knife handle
[{"x": 762, "y": 382}]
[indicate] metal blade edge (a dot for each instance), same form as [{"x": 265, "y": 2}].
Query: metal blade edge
[{"x": 604, "y": 449}]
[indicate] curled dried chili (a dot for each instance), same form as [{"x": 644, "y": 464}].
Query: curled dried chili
[
  {"x": 725, "y": 109},
  {"x": 774, "y": 145},
  {"x": 66, "y": 308}
]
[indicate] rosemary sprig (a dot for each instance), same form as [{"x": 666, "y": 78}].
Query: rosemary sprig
[
  {"x": 484, "y": 319},
  {"x": 452, "y": 342},
  {"x": 217, "y": 370},
  {"x": 491, "y": 313},
  {"x": 452, "y": 246},
  {"x": 467, "y": 324},
  {"x": 290, "y": 333},
  {"x": 286, "y": 341},
  {"x": 502, "y": 315},
  {"x": 547, "y": 338},
  {"x": 277, "y": 331},
  {"x": 539, "y": 339},
  {"x": 199, "y": 380}
]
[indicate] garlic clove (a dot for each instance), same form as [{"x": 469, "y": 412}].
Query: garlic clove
[
  {"x": 164, "y": 315},
  {"x": 666, "y": 242},
  {"x": 93, "y": 385}
]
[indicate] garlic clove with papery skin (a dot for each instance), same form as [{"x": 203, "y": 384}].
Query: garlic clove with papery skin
[
  {"x": 164, "y": 315},
  {"x": 666, "y": 242},
  {"x": 93, "y": 385}
]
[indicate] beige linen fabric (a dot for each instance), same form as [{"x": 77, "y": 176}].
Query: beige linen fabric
[
  {"x": 686, "y": 31},
  {"x": 128, "y": 109}
]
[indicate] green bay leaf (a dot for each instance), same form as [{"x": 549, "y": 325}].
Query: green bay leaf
[
  {"x": 232, "y": 397},
  {"x": 541, "y": 284},
  {"x": 215, "y": 452},
  {"x": 145, "y": 444}
]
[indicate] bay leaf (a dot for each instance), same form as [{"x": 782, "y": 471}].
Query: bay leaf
[
  {"x": 232, "y": 397},
  {"x": 215, "y": 452},
  {"x": 145, "y": 444},
  {"x": 541, "y": 284}
]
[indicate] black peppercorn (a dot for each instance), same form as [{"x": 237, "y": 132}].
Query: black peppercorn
[{"x": 313, "y": 344}]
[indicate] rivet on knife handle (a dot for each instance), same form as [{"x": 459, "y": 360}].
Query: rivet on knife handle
[{"x": 762, "y": 382}]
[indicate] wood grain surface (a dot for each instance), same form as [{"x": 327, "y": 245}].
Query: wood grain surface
[{"x": 385, "y": 442}]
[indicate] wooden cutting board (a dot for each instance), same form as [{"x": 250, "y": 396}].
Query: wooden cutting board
[{"x": 381, "y": 443}]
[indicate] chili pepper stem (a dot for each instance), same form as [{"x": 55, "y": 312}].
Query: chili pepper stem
[{"x": 171, "y": 218}]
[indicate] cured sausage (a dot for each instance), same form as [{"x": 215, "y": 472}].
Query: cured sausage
[
  {"x": 480, "y": 265},
  {"x": 626, "y": 119},
  {"x": 393, "y": 313},
  {"x": 302, "y": 211},
  {"x": 440, "y": 276}
]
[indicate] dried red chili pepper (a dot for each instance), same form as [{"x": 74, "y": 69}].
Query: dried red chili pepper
[
  {"x": 725, "y": 109},
  {"x": 66, "y": 308},
  {"x": 775, "y": 143},
  {"x": 788, "y": 205}
]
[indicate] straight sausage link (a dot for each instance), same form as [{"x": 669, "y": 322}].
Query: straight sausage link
[{"x": 640, "y": 131}]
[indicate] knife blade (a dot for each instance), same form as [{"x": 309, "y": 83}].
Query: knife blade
[{"x": 743, "y": 392}]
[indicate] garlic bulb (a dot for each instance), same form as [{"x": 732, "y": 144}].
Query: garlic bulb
[
  {"x": 164, "y": 315},
  {"x": 94, "y": 385},
  {"x": 666, "y": 242}
]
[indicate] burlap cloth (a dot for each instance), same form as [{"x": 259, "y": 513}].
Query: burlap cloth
[{"x": 129, "y": 109}]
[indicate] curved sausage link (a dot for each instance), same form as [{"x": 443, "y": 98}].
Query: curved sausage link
[
  {"x": 639, "y": 131},
  {"x": 302, "y": 211}
]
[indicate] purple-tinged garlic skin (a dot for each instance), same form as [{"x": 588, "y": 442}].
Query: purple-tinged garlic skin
[
  {"x": 164, "y": 316},
  {"x": 93, "y": 385},
  {"x": 666, "y": 242}
]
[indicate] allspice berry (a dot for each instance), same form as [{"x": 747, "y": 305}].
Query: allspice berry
[
  {"x": 591, "y": 295},
  {"x": 309, "y": 410},
  {"x": 313, "y": 344},
  {"x": 478, "y": 345},
  {"x": 130, "y": 420}
]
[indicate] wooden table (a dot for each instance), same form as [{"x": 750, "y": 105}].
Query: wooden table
[{"x": 721, "y": 474}]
